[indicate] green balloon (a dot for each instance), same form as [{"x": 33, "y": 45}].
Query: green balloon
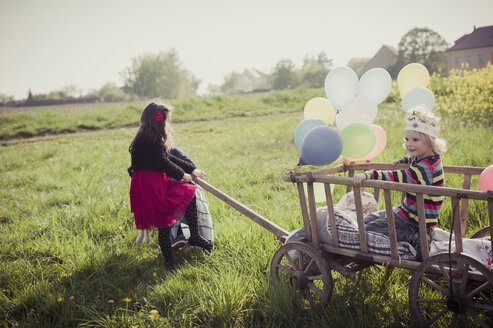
[{"x": 358, "y": 140}]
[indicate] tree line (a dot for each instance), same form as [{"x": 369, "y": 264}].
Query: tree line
[{"x": 162, "y": 75}]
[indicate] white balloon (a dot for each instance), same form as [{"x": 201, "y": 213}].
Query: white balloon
[
  {"x": 361, "y": 110},
  {"x": 341, "y": 85},
  {"x": 376, "y": 83},
  {"x": 418, "y": 97}
]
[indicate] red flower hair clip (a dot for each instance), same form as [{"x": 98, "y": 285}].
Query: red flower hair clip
[{"x": 159, "y": 116}]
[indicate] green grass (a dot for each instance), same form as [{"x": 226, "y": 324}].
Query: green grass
[{"x": 67, "y": 251}]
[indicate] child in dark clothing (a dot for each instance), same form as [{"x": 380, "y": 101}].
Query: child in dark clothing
[{"x": 155, "y": 199}]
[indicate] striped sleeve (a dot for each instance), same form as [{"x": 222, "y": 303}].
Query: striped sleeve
[{"x": 419, "y": 174}]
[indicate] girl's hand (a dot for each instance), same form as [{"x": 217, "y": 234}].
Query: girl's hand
[
  {"x": 199, "y": 174},
  {"x": 397, "y": 161},
  {"x": 358, "y": 179},
  {"x": 186, "y": 177}
]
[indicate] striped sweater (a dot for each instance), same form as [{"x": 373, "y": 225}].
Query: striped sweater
[{"x": 427, "y": 171}]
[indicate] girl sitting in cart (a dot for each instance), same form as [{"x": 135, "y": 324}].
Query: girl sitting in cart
[{"x": 424, "y": 147}]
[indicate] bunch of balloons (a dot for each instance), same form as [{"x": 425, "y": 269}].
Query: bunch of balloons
[
  {"x": 351, "y": 105},
  {"x": 412, "y": 81}
]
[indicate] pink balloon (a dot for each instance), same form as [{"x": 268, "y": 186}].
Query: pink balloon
[
  {"x": 486, "y": 179},
  {"x": 380, "y": 144}
]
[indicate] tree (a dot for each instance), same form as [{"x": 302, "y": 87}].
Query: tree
[
  {"x": 314, "y": 70},
  {"x": 231, "y": 82},
  {"x": 284, "y": 75},
  {"x": 159, "y": 75},
  {"x": 422, "y": 45}
]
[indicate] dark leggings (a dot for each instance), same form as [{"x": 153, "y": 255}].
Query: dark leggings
[{"x": 195, "y": 238}]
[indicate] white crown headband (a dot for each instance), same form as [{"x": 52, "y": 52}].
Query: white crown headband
[{"x": 413, "y": 123}]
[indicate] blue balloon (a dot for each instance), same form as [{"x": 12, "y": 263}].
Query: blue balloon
[
  {"x": 418, "y": 97},
  {"x": 321, "y": 146},
  {"x": 303, "y": 128}
]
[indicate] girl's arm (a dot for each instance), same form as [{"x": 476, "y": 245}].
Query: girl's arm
[{"x": 422, "y": 173}]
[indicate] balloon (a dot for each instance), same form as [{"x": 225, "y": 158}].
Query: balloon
[
  {"x": 358, "y": 140},
  {"x": 320, "y": 108},
  {"x": 359, "y": 110},
  {"x": 319, "y": 191},
  {"x": 376, "y": 84},
  {"x": 322, "y": 145},
  {"x": 380, "y": 143},
  {"x": 341, "y": 85},
  {"x": 486, "y": 179},
  {"x": 418, "y": 96},
  {"x": 303, "y": 128},
  {"x": 412, "y": 76}
]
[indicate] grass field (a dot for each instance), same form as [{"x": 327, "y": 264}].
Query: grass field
[{"x": 67, "y": 251}]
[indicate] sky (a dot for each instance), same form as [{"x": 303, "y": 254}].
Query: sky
[{"x": 51, "y": 44}]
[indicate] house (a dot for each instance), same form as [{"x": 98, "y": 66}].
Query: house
[
  {"x": 384, "y": 58},
  {"x": 474, "y": 49},
  {"x": 357, "y": 64},
  {"x": 252, "y": 80}
]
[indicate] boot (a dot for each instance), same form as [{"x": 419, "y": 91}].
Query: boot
[
  {"x": 165, "y": 244},
  {"x": 195, "y": 238}
]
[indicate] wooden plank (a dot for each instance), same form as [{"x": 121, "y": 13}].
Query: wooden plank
[
  {"x": 394, "y": 251},
  {"x": 376, "y": 193},
  {"x": 490, "y": 214},
  {"x": 457, "y": 224},
  {"x": 313, "y": 215},
  {"x": 370, "y": 257},
  {"x": 332, "y": 219},
  {"x": 304, "y": 211},
  {"x": 350, "y": 175},
  {"x": 268, "y": 225},
  {"x": 359, "y": 218},
  {"x": 464, "y": 206},
  {"x": 403, "y": 187},
  {"x": 420, "y": 204}
]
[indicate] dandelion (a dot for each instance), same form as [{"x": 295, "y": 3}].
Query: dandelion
[
  {"x": 127, "y": 300},
  {"x": 71, "y": 298},
  {"x": 60, "y": 299},
  {"x": 111, "y": 301},
  {"x": 152, "y": 317},
  {"x": 154, "y": 312}
]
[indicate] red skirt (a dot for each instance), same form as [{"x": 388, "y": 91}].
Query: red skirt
[{"x": 156, "y": 201}]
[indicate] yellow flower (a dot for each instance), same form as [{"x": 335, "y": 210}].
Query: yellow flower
[
  {"x": 111, "y": 301},
  {"x": 151, "y": 317},
  {"x": 153, "y": 312},
  {"x": 127, "y": 300},
  {"x": 71, "y": 298},
  {"x": 60, "y": 299}
]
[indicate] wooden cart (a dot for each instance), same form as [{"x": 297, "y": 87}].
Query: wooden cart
[{"x": 445, "y": 289}]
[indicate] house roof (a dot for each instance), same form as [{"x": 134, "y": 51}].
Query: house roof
[
  {"x": 384, "y": 58},
  {"x": 480, "y": 37}
]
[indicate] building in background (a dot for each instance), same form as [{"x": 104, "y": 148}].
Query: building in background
[
  {"x": 384, "y": 58},
  {"x": 474, "y": 49}
]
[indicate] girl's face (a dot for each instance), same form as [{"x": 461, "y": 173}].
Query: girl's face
[{"x": 417, "y": 145}]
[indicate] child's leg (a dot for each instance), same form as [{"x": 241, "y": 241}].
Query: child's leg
[
  {"x": 195, "y": 238},
  {"x": 140, "y": 237},
  {"x": 147, "y": 236},
  {"x": 165, "y": 244}
]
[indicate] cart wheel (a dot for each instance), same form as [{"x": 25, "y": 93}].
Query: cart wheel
[
  {"x": 465, "y": 300},
  {"x": 305, "y": 268}
]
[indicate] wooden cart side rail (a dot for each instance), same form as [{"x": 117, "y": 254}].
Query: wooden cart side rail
[
  {"x": 454, "y": 194},
  {"x": 405, "y": 187},
  {"x": 257, "y": 218}
]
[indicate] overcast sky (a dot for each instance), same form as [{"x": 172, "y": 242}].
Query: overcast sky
[{"x": 49, "y": 44}]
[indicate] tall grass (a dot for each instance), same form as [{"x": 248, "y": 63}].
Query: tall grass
[{"x": 67, "y": 251}]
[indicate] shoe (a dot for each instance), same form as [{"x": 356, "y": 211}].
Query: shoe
[
  {"x": 200, "y": 242},
  {"x": 178, "y": 243}
]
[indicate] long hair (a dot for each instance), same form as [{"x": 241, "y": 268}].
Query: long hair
[{"x": 155, "y": 122}]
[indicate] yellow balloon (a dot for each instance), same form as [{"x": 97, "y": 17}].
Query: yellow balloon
[
  {"x": 412, "y": 76},
  {"x": 320, "y": 108}
]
